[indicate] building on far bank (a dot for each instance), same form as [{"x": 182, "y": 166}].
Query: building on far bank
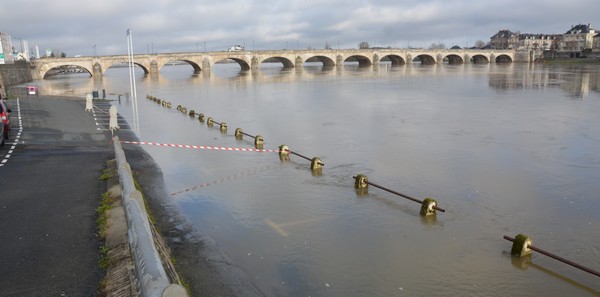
[
  {"x": 539, "y": 42},
  {"x": 578, "y": 39},
  {"x": 504, "y": 39}
]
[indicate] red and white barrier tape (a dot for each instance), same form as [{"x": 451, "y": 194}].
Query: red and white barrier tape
[{"x": 202, "y": 147}]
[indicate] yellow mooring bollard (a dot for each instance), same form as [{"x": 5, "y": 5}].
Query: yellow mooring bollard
[
  {"x": 315, "y": 163},
  {"x": 201, "y": 118},
  {"x": 209, "y": 122},
  {"x": 361, "y": 181},
  {"x": 284, "y": 152},
  {"x": 192, "y": 113},
  {"x": 258, "y": 142},
  {"x": 223, "y": 127},
  {"x": 428, "y": 207},
  {"x": 239, "y": 133},
  {"x": 521, "y": 245}
]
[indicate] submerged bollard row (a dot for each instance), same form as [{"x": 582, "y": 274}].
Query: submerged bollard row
[
  {"x": 164, "y": 103},
  {"x": 315, "y": 163},
  {"x": 428, "y": 205}
]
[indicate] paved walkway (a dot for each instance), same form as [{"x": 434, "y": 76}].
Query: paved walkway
[{"x": 49, "y": 190}]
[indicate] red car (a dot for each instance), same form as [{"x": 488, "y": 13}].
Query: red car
[{"x": 4, "y": 117}]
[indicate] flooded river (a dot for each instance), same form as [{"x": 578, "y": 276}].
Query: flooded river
[{"x": 504, "y": 149}]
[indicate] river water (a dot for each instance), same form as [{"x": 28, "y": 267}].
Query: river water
[{"x": 504, "y": 149}]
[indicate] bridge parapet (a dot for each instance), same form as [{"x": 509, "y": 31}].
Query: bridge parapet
[{"x": 251, "y": 60}]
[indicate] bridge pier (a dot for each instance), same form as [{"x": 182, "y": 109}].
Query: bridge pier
[
  {"x": 154, "y": 68},
  {"x": 376, "y": 59},
  {"x": 97, "y": 70},
  {"x": 299, "y": 63},
  {"x": 254, "y": 63},
  {"x": 206, "y": 64}
]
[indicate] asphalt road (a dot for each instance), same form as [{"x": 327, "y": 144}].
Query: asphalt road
[{"x": 49, "y": 190}]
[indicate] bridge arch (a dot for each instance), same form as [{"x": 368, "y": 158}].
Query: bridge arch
[
  {"x": 287, "y": 63},
  {"x": 64, "y": 68},
  {"x": 362, "y": 60},
  {"x": 480, "y": 59},
  {"x": 138, "y": 64},
  {"x": 395, "y": 59},
  {"x": 503, "y": 59},
  {"x": 194, "y": 65},
  {"x": 453, "y": 59},
  {"x": 425, "y": 59},
  {"x": 243, "y": 64},
  {"x": 327, "y": 62}
]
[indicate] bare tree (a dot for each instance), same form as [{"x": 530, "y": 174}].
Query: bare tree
[
  {"x": 363, "y": 45},
  {"x": 437, "y": 46},
  {"x": 479, "y": 44}
]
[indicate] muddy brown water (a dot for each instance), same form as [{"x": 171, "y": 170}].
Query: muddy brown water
[{"x": 505, "y": 149}]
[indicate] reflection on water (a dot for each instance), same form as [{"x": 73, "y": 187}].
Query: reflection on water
[
  {"x": 503, "y": 148},
  {"x": 575, "y": 80}
]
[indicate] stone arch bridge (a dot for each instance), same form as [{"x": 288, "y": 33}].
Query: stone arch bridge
[{"x": 251, "y": 60}]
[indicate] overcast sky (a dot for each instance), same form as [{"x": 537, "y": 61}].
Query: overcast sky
[{"x": 75, "y": 26}]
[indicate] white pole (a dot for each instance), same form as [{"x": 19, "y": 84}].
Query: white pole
[
  {"x": 135, "y": 103},
  {"x": 132, "y": 80},
  {"x": 129, "y": 67}
]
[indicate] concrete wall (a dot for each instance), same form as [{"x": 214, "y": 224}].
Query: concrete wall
[{"x": 14, "y": 74}]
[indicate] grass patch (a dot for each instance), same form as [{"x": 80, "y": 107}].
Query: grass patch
[
  {"x": 106, "y": 175},
  {"x": 185, "y": 284},
  {"x": 102, "y": 211},
  {"x": 104, "y": 261}
]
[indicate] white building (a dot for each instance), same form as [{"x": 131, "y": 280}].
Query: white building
[
  {"x": 578, "y": 39},
  {"x": 5, "y": 49}
]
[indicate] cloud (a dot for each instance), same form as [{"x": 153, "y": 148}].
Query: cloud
[{"x": 182, "y": 25}]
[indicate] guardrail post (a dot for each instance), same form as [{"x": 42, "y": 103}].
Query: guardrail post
[
  {"x": 112, "y": 123},
  {"x": 88, "y": 102}
]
